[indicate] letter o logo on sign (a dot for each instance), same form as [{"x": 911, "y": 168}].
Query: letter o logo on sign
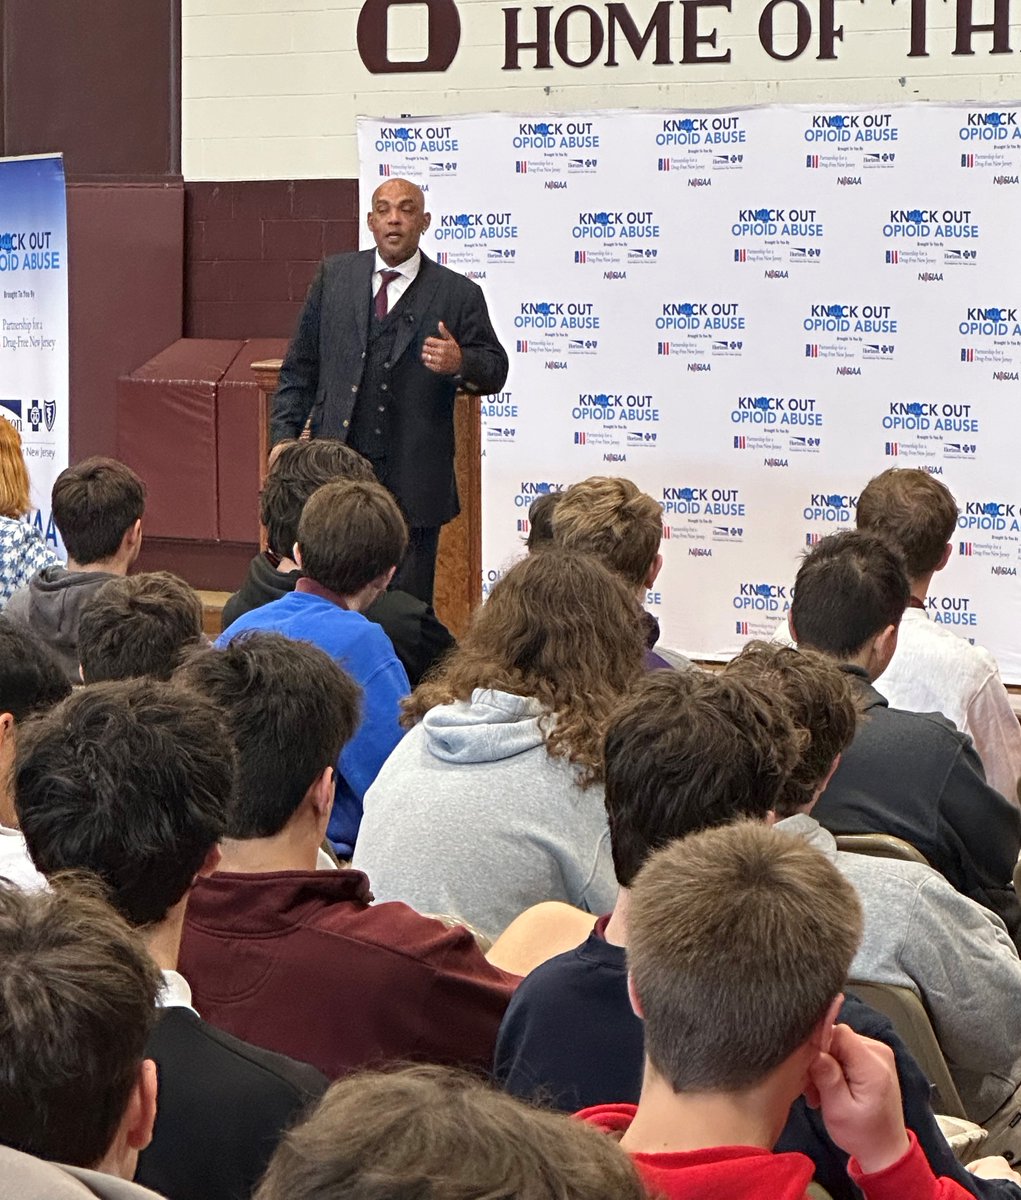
[{"x": 444, "y": 36}]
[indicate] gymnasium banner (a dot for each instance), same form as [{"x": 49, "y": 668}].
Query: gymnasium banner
[
  {"x": 749, "y": 312},
  {"x": 34, "y": 389}
]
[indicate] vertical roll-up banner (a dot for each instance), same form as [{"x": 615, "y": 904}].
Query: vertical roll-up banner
[
  {"x": 749, "y": 312},
  {"x": 34, "y": 386}
]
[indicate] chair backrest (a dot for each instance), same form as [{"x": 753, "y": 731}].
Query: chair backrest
[
  {"x": 880, "y": 845},
  {"x": 912, "y": 1023}
]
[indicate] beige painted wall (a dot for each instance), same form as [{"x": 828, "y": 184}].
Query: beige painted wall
[{"x": 272, "y": 87}]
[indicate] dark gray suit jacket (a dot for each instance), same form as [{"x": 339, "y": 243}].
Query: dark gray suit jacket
[{"x": 325, "y": 362}]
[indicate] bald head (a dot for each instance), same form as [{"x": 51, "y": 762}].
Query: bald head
[{"x": 398, "y": 219}]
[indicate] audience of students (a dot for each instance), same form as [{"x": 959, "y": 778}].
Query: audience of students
[
  {"x": 933, "y": 669},
  {"x": 131, "y": 781},
  {"x": 22, "y": 548},
  {"x": 685, "y": 753},
  {"x": 138, "y": 625},
  {"x": 31, "y": 681},
  {"x": 435, "y": 1133},
  {"x": 299, "y": 469},
  {"x": 77, "y": 1005},
  {"x": 493, "y": 800},
  {"x": 316, "y": 969},
  {"x": 909, "y": 774},
  {"x": 607, "y": 825},
  {"x": 97, "y": 506},
  {"x": 351, "y": 536},
  {"x": 919, "y": 932},
  {"x": 739, "y": 944}
]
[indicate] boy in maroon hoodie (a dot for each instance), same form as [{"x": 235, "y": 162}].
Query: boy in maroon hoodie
[{"x": 740, "y": 941}]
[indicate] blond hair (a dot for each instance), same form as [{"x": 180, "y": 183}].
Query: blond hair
[
  {"x": 14, "y": 497},
  {"x": 610, "y": 518}
]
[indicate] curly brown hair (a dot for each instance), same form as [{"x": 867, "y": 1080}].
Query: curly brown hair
[
  {"x": 819, "y": 698},
  {"x": 559, "y": 627}
]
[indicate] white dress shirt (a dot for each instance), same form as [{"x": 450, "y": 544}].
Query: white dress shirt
[
  {"x": 396, "y": 287},
  {"x": 15, "y": 863},
  {"x": 175, "y": 992},
  {"x": 936, "y": 670}
]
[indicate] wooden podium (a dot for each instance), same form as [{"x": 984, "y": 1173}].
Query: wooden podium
[{"x": 459, "y": 565}]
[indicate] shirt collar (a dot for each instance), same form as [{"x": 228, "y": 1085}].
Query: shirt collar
[
  {"x": 311, "y": 588},
  {"x": 409, "y": 268},
  {"x": 175, "y": 992}
]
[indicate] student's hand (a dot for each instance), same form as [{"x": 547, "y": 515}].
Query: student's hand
[
  {"x": 855, "y": 1088},
  {"x": 994, "y": 1167}
]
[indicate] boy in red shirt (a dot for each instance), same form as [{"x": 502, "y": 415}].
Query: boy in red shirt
[{"x": 740, "y": 941}]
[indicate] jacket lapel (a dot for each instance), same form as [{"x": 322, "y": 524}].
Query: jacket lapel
[
  {"x": 419, "y": 299},
  {"x": 361, "y": 285}
]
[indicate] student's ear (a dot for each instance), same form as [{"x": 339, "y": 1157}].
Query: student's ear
[
  {"x": 141, "y": 1113},
  {"x": 321, "y": 793},
  {"x": 632, "y": 995},
  {"x": 829, "y": 775},
  {"x": 653, "y": 572},
  {"x": 385, "y": 578},
  {"x": 6, "y": 727},
  {"x": 296, "y": 555},
  {"x": 134, "y": 1130},
  {"x": 822, "y": 1034},
  {"x": 210, "y": 863},
  {"x": 883, "y": 647},
  {"x": 790, "y": 626},
  {"x": 132, "y": 539},
  {"x": 948, "y": 549}
]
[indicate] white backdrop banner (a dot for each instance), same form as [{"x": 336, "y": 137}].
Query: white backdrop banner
[
  {"x": 33, "y": 321},
  {"x": 750, "y": 313}
]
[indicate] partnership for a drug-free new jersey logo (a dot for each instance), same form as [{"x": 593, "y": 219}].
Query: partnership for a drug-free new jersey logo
[
  {"x": 615, "y": 237},
  {"x": 931, "y": 238},
  {"x": 616, "y": 419},
  {"x": 419, "y": 150},
  {"x": 990, "y": 335},
  {"x": 554, "y": 149},
  {"x": 701, "y": 145},
  {"x": 561, "y": 330},
  {"x": 476, "y": 242},
  {"x": 777, "y": 234},
  {"x": 706, "y": 515},
  {"x": 757, "y": 607},
  {"x": 989, "y": 526},
  {"x": 929, "y": 430},
  {"x": 850, "y": 145},
  {"x": 701, "y": 330},
  {"x": 775, "y": 427},
  {"x": 989, "y": 143},
  {"x": 844, "y": 336}
]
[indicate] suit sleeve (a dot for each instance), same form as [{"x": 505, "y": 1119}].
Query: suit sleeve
[
  {"x": 299, "y": 375},
  {"x": 484, "y": 362}
]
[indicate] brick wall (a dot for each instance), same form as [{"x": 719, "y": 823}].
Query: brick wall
[{"x": 251, "y": 250}]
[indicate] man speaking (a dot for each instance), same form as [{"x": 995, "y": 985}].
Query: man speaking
[{"x": 385, "y": 340}]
